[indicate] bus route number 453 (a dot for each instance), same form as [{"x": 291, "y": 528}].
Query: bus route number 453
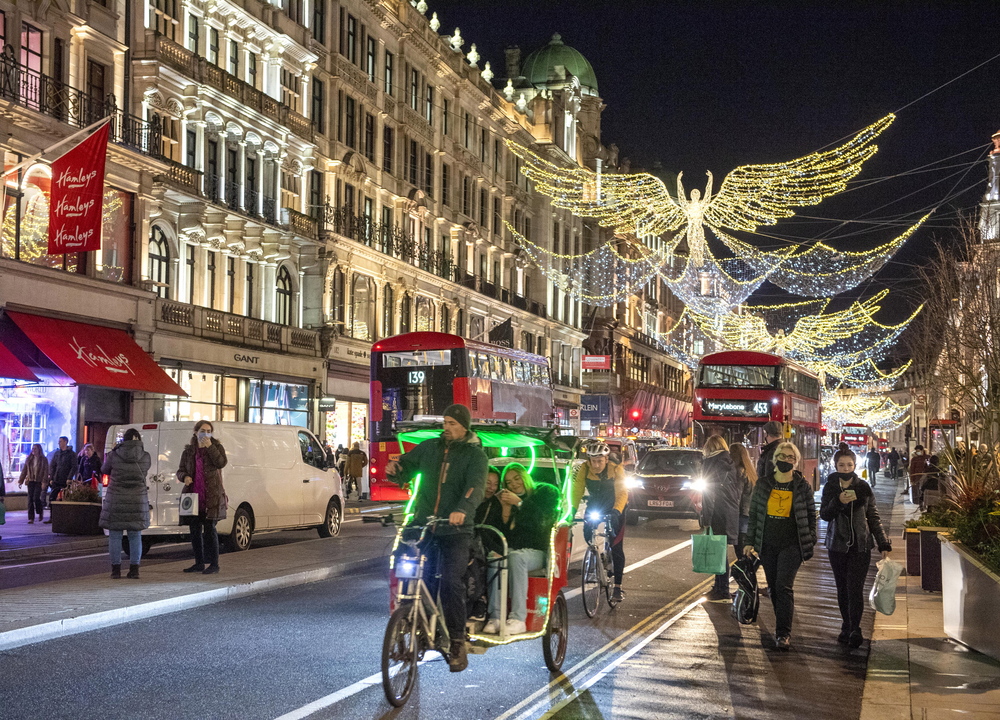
[
  {"x": 417, "y": 377},
  {"x": 760, "y": 408}
]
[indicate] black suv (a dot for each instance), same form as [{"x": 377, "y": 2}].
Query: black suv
[{"x": 667, "y": 483}]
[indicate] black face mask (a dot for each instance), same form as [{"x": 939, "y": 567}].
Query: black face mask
[
  {"x": 783, "y": 466},
  {"x": 845, "y": 476}
]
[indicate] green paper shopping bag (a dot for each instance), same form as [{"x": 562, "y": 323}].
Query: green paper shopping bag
[{"x": 708, "y": 553}]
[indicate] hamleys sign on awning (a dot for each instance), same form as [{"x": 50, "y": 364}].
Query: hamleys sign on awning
[
  {"x": 596, "y": 362},
  {"x": 96, "y": 355}
]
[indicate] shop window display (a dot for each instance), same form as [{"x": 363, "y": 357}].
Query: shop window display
[
  {"x": 347, "y": 424},
  {"x": 210, "y": 397},
  {"x": 275, "y": 403},
  {"x": 33, "y": 414}
]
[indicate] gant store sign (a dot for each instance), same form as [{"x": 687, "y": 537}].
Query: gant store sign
[{"x": 95, "y": 355}]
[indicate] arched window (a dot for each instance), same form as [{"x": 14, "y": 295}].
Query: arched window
[
  {"x": 337, "y": 290},
  {"x": 388, "y": 312},
  {"x": 425, "y": 314},
  {"x": 405, "y": 314},
  {"x": 363, "y": 308},
  {"x": 159, "y": 261},
  {"x": 283, "y": 297}
]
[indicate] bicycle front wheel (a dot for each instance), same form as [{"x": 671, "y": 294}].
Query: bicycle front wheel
[
  {"x": 399, "y": 657},
  {"x": 590, "y": 580}
]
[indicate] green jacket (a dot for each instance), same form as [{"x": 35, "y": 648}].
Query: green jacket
[{"x": 452, "y": 479}]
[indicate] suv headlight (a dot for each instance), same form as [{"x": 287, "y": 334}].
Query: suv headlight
[
  {"x": 632, "y": 482},
  {"x": 695, "y": 484}
]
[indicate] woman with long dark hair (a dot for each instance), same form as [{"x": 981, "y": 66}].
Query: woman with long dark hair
[
  {"x": 848, "y": 505},
  {"x": 721, "y": 501},
  {"x": 201, "y": 472}
]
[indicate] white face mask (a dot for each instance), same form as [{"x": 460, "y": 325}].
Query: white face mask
[{"x": 202, "y": 435}]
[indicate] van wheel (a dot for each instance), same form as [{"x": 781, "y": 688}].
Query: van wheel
[
  {"x": 242, "y": 533},
  {"x": 331, "y": 522},
  {"x": 631, "y": 517}
]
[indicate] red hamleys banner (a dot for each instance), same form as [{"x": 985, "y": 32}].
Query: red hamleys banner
[{"x": 77, "y": 197}]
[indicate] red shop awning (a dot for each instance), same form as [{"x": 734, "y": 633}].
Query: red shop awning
[
  {"x": 11, "y": 367},
  {"x": 95, "y": 355}
]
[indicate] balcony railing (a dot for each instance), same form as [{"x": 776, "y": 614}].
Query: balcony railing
[
  {"x": 194, "y": 66},
  {"x": 56, "y": 99},
  {"x": 236, "y": 329}
]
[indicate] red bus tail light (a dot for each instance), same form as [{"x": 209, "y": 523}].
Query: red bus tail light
[{"x": 105, "y": 479}]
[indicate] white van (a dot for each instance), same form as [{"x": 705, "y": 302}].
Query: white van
[{"x": 276, "y": 478}]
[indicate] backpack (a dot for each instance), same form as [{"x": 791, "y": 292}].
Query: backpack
[{"x": 746, "y": 602}]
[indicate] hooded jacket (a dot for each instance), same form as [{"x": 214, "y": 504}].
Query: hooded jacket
[
  {"x": 452, "y": 479},
  {"x": 852, "y": 526},
  {"x": 126, "y": 504},
  {"x": 803, "y": 511},
  {"x": 723, "y": 495}
]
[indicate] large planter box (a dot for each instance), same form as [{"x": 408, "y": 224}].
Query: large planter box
[
  {"x": 76, "y": 518},
  {"x": 930, "y": 558},
  {"x": 970, "y": 598}
]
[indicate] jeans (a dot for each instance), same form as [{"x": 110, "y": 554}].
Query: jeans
[
  {"x": 204, "y": 541},
  {"x": 134, "y": 546},
  {"x": 850, "y": 570},
  {"x": 780, "y": 568},
  {"x": 35, "y": 500},
  {"x": 454, "y": 560},
  {"x": 519, "y": 564}
]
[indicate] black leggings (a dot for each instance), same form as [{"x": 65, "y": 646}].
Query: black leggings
[
  {"x": 617, "y": 546},
  {"x": 850, "y": 570}
]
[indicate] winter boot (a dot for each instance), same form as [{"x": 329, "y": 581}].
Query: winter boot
[
  {"x": 116, "y": 572},
  {"x": 133, "y": 572}
]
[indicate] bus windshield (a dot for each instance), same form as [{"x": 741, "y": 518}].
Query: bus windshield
[
  {"x": 739, "y": 376},
  {"x": 411, "y": 390}
]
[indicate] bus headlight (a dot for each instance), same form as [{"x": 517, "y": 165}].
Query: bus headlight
[
  {"x": 695, "y": 484},
  {"x": 632, "y": 482}
]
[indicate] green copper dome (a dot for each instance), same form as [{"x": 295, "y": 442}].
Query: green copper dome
[{"x": 538, "y": 65}]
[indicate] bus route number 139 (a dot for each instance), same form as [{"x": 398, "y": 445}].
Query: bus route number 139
[{"x": 417, "y": 377}]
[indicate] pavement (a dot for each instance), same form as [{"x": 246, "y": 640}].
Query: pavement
[
  {"x": 911, "y": 670},
  {"x": 915, "y": 672}
]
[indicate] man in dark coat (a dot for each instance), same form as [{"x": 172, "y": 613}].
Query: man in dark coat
[
  {"x": 62, "y": 467},
  {"x": 721, "y": 502},
  {"x": 873, "y": 461},
  {"x": 452, "y": 470},
  {"x": 772, "y": 436}
]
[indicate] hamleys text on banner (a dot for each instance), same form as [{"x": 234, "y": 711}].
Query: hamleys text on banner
[{"x": 76, "y": 202}]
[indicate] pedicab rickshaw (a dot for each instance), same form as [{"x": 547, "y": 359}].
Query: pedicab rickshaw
[{"x": 416, "y": 623}]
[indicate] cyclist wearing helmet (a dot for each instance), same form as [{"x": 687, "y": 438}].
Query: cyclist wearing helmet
[{"x": 605, "y": 482}]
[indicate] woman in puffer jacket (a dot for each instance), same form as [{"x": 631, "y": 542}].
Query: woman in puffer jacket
[
  {"x": 126, "y": 505},
  {"x": 848, "y": 505}
]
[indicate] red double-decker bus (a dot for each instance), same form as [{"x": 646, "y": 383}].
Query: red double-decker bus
[
  {"x": 737, "y": 391},
  {"x": 417, "y": 375}
]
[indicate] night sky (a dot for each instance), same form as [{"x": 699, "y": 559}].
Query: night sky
[{"x": 702, "y": 85}]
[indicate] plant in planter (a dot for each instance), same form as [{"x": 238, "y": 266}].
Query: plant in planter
[
  {"x": 79, "y": 511},
  {"x": 957, "y": 367}
]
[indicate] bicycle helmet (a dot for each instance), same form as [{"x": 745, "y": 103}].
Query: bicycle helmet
[{"x": 597, "y": 449}]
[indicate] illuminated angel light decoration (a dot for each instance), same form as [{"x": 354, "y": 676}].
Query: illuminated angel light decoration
[
  {"x": 846, "y": 344},
  {"x": 639, "y": 205},
  {"x": 877, "y": 411}
]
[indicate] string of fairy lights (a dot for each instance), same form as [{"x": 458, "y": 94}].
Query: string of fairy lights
[{"x": 674, "y": 239}]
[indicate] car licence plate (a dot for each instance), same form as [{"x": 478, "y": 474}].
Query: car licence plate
[{"x": 660, "y": 503}]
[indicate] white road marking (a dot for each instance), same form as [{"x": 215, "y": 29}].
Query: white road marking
[
  {"x": 641, "y": 563},
  {"x": 376, "y": 679}
]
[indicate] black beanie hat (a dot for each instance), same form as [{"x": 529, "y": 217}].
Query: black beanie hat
[{"x": 460, "y": 414}]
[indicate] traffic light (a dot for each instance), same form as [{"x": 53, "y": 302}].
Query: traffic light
[{"x": 636, "y": 414}]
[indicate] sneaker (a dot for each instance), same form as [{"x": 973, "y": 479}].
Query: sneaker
[
  {"x": 782, "y": 642},
  {"x": 492, "y": 627},
  {"x": 458, "y": 659},
  {"x": 197, "y": 567},
  {"x": 210, "y": 570},
  {"x": 617, "y": 596},
  {"x": 855, "y": 639},
  {"x": 516, "y": 627}
]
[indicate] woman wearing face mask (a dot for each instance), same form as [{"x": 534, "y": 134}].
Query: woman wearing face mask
[
  {"x": 782, "y": 531},
  {"x": 848, "y": 505},
  {"x": 201, "y": 472},
  {"x": 528, "y": 511}
]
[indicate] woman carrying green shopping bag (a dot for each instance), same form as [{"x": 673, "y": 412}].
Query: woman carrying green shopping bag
[{"x": 782, "y": 532}]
